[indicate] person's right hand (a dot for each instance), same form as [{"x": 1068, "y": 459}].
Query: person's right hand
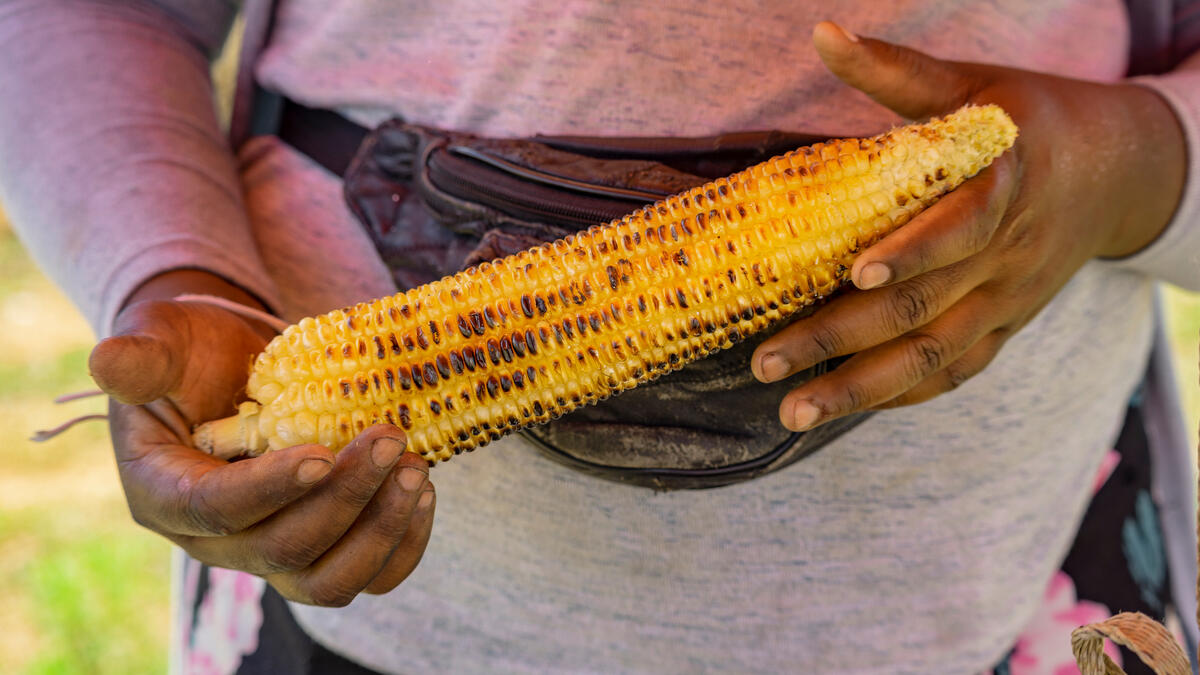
[{"x": 320, "y": 529}]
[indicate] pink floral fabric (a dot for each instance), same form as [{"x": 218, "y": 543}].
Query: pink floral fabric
[
  {"x": 1107, "y": 465},
  {"x": 227, "y": 623},
  {"x": 1045, "y": 646}
]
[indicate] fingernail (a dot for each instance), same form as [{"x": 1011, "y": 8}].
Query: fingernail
[
  {"x": 773, "y": 367},
  {"x": 804, "y": 415},
  {"x": 849, "y": 36},
  {"x": 874, "y": 274},
  {"x": 425, "y": 500},
  {"x": 312, "y": 470},
  {"x": 412, "y": 478},
  {"x": 386, "y": 451}
]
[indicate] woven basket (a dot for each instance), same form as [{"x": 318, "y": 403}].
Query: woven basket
[{"x": 1140, "y": 634}]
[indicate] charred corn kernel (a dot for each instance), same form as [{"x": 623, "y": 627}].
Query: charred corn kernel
[{"x": 524, "y": 339}]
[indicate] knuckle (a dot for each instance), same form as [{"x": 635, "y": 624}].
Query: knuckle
[
  {"x": 195, "y": 507},
  {"x": 908, "y": 305},
  {"x": 912, "y": 64},
  {"x": 332, "y": 594},
  {"x": 955, "y": 376},
  {"x": 977, "y": 237},
  {"x": 288, "y": 554},
  {"x": 927, "y": 353},
  {"x": 971, "y": 365},
  {"x": 827, "y": 340},
  {"x": 1021, "y": 237},
  {"x": 962, "y": 85},
  {"x": 854, "y": 396},
  {"x": 924, "y": 256},
  {"x": 357, "y": 490},
  {"x": 205, "y": 516},
  {"x": 389, "y": 522},
  {"x": 962, "y": 370},
  {"x": 393, "y": 527}
]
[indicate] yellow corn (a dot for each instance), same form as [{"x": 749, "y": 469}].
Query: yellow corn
[{"x": 527, "y": 338}]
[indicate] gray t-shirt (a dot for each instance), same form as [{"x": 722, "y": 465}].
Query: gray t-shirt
[{"x": 920, "y": 542}]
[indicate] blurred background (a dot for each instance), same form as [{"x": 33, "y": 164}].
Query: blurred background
[{"x": 82, "y": 588}]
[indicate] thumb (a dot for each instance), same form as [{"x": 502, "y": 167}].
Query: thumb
[
  {"x": 134, "y": 368},
  {"x": 910, "y": 83},
  {"x": 144, "y": 361}
]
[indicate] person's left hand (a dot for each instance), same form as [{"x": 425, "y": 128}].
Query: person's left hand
[{"x": 1097, "y": 171}]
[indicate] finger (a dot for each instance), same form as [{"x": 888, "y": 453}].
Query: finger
[
  {"x": 858, "y": 321},
  {"x": 144, "y": 360},
  {"x": 194, "y": 354},
  {"x": 958, "y": 226},
  {"x": 884, "y": 372},
  {"x": 910, "y": 83},
  {"x": 411, "y": 549},
  {"x": 135, "y": 368},
  {"x": 970, "y": 364},
  {"x": 351, "y": 564},
  {"x": 295, "y": 537},
  {"x": 177, "y": 490}
]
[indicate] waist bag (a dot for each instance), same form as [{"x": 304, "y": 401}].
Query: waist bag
[{"x": 435, "y": 202}]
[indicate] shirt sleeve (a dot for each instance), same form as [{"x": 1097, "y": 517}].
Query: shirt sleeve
[
  {"x": 1175, "y": 255},
  {"x": 113, "y": 168},
  {"x": 206, "y": 22}
]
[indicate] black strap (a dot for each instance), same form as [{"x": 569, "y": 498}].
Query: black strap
[
  {"x": 284, "y": 647},
  {"x": 328, "y": 138},
  {"x": 1162, "y": 34}
]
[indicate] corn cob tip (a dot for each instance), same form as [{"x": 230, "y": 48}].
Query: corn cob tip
[{"x": 231, "y": 436}]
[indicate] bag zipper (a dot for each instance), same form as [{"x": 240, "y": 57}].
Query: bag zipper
[{"x": 528, "y": 194}]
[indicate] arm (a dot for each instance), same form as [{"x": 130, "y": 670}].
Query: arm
[
  {"x": 1098, "y": 171},
  {"x": 113, "y": 166},
  {"x": 1175, "y": 255},
  {"x": 120, "y": 182}
]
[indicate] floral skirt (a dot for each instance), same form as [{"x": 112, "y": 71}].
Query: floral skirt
[
  {"x": 1117, "y": 563},
  {"x": 231, "y": 622}
]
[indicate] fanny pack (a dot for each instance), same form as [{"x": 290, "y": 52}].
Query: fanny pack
[{"x": 435, "y": 201}]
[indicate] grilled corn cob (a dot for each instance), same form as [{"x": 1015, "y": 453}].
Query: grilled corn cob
[{"x": 527, "y": 338}]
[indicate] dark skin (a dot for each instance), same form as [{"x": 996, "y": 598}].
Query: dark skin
[
  {"x": 320, "y": 529},
  {"x": 955, "y": 283},
  {"x": 1096, "y": 173}
]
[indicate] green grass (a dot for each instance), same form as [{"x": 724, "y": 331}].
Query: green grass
[
  {"x": 82, "y": 588},
  {"x": 88, "y": 587},
  {"x": 20, "y": 379},
  {"x": 98, "y": 602}
]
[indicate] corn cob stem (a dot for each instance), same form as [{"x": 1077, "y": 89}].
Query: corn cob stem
[{"x": 527, "y": 338}]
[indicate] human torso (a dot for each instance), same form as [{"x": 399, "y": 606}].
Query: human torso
[{"x": 919, "y": 542}]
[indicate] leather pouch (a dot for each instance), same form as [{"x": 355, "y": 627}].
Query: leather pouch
[{"x": 434, "y": 202}]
